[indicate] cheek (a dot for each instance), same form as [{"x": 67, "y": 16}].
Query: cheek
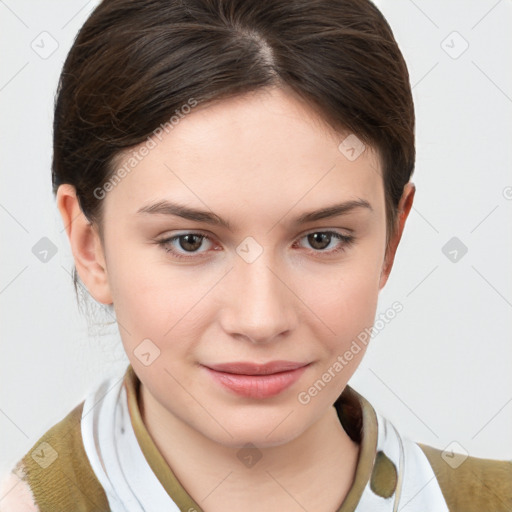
[
  {"x": 155, "y": 301},
  {"x": 348, "y": 307},
  {"x": 142, "y": 299},
  {"x": 161, "y": 301},
  {"x": 345, "y": 300}
]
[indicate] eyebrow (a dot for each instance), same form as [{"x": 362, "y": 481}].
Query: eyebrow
[{"x": 168, "y": 208}]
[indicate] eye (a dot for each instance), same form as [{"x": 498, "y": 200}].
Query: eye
[
  {"x": 187, "y": 245},
  {"x": 321, "y": 240},
  {"x": 186, "y": 242}
]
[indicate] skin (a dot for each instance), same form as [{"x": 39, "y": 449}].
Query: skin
[{"x": 258, "y": 161}]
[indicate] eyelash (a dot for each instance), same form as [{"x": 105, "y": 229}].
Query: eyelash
[{"x": 347, "y": 241}]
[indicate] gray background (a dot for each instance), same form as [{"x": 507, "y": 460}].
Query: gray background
[{"x": 440, "y": 370}]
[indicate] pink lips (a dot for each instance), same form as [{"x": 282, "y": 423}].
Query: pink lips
[{"x": 257, "y": 380}]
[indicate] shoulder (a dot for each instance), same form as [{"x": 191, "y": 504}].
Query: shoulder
[
  {"x": 471, "y": 484},
  {"x": 15, "y": 494},
  {"x": 55, "y": 474}
]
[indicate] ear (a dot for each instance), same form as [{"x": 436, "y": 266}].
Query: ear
[
  {"x": 85, "y": 245},
  {"x": 404, "y": 207}
]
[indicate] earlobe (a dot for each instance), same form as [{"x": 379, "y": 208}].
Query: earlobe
[
  {"x": 85, "y": 245},
  {"x": 404, "y": 208}
]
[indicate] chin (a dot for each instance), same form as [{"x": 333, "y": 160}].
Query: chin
[{"x": 260, "y": 429}]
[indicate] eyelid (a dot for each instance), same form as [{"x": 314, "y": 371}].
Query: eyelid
[
  {"x": 175, "y": 236},
  {"x": 209, "y": 236},
  {"x": 326, "y": 229},
  {"x": 344, "y": 239}
]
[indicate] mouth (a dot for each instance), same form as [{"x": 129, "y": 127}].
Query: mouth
[{"x": 254, "y": 380}]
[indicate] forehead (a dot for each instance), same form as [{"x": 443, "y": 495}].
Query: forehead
[{"x": 267, "y": 150}]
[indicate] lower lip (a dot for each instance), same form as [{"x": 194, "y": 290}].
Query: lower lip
[{"x": 258, "y": 386}]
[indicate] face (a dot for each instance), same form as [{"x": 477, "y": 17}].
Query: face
[{"x": 248, "y": 280}]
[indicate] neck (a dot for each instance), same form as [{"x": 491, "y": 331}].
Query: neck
[{"x": 316, "y": 469}]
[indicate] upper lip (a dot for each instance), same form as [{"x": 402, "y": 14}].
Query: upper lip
[{"x": 248, "y": 368}]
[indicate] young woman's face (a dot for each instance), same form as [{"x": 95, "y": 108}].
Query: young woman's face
[{"x": 246, "y": 280}]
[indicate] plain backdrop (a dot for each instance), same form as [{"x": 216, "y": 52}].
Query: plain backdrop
[{"x": 440, "y": 371}]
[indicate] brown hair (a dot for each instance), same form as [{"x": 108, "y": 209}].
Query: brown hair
[{"x": 136, "y": 62}]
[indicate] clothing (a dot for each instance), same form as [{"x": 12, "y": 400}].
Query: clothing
[{"x": 100, "y": 458}]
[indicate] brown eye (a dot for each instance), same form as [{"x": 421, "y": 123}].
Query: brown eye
[
  {"x": 319, "y": 240},
  {"x": 187, "y": 245},
  {"x": 190, "y": 242},
  {"x": 325, "y": 241}
]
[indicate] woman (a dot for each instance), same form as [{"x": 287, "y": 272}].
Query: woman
[{"x": 234, "y": 179}]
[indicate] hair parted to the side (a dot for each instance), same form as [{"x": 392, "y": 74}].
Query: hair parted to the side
[{"x": 136, "y": 62}]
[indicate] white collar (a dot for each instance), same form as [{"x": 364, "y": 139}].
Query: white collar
[{"x": 131, "y": 485}]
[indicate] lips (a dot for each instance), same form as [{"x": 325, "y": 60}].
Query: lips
[
  {"x": 257, "y": 380},
  {"x": 243, "y": 368}
]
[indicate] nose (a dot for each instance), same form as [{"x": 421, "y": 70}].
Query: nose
[{"x": 260, "y": 306}]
